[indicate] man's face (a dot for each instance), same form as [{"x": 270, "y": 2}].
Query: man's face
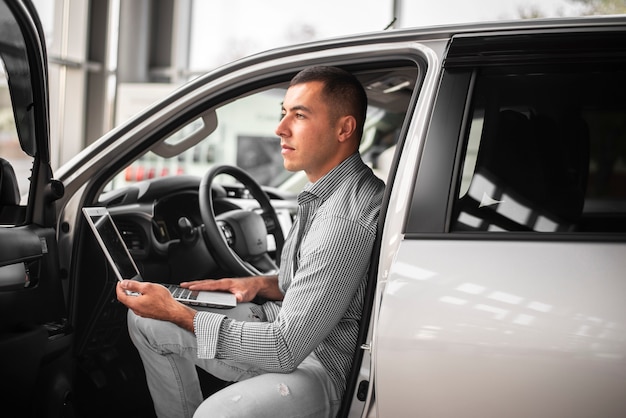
[{"x": 309, "y": 136}]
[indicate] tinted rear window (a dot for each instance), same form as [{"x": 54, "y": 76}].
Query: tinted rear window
[{"x": 546, "y": 151}]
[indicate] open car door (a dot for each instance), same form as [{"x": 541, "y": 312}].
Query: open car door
[{"x": 35, "y": 340}]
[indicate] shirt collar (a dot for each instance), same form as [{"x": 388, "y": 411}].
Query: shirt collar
[{"x": 327, "y": 184}]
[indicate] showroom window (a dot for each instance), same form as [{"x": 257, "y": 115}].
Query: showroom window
[{"x": 546, "y": 152}]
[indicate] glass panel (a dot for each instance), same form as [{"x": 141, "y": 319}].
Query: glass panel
[
  {"x": 546, "y": 152},
  {"x": 243, "y": 137},
  {"x": 241, "y": 133},
  {"x": 15, "y": 163}
]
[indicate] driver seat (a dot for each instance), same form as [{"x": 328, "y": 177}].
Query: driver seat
[{"x": 10, "y": 212}]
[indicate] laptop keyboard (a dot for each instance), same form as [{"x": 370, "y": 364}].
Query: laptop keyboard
[{"x": 182, "y": 293}]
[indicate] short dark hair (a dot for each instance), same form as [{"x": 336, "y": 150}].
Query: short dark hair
[{"x": 343, "y": 90}]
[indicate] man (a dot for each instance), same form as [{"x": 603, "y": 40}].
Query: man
[{"x": 289, "y": 356}]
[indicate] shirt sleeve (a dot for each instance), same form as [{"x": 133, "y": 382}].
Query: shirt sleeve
[{"x": 206, "y": 326}]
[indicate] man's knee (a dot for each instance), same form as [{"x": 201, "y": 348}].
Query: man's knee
[
  {"x": 273, "y": 395},
  {"x": 227, "y": 403}
]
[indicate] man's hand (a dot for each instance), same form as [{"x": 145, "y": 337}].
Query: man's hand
[
  {"x": 245, "y": 289},
  {"x": 155, "y": 301}
]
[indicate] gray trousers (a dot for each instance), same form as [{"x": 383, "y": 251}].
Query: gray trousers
[{"x": 169, "y": 355}]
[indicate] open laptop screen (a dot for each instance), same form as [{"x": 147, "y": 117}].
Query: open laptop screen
[
  {"x": 122, "y": 263},
  {"x": 113, "y": 244}
]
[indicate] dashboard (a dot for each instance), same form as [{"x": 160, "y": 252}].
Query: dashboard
[{"x": 161, "y": 224}]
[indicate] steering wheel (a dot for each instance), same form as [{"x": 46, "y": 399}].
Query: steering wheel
[{"x": 238, "y": 237}]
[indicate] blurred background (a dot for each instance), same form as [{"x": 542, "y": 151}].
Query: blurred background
[{"x": 110, "y": 59}]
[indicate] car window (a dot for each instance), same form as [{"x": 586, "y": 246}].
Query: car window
[
  {"x": 15, "y": 164},
  {"x": 546, "y": 152},
  {"x": 241, "y": 132},
  {"x": 242, "y": 136}
]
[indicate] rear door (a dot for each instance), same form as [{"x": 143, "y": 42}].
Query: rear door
[
  {"x": 34, "y": 340},
  {"x": 506, "y": 294}
]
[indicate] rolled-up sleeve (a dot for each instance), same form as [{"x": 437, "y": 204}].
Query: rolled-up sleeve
[{"x": 206, "y": 326}]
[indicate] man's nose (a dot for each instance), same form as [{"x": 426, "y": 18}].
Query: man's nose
[{"x": 281, "y": 128}]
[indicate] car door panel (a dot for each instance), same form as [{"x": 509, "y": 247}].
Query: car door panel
[
  {"x": 503, "y": 326},
  {"x": 29, "y": 271},
  {"x": 34, "y": 335},
  {"x": 18, "y": 244},
  {"x": 505, "y": 294}
]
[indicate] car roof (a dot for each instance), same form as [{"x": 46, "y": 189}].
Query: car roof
[{"x": 433, "y": 33}]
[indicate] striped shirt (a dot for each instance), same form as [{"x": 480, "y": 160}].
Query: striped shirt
[{"x": 323, "y": 274}]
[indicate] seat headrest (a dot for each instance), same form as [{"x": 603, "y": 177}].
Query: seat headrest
[{"x": 9, "y": 189}]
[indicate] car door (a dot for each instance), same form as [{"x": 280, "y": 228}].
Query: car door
[
  {"x": 34, "y": 338},
  {"x": 505, "y": 296}
]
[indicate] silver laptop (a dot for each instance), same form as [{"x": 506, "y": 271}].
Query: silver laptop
[{"x": 122, "y": 263}]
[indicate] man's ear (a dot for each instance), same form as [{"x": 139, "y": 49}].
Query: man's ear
[{"x": 347, "y": 127}]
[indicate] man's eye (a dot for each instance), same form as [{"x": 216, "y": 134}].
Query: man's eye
[{"x": 299, "y": 115}]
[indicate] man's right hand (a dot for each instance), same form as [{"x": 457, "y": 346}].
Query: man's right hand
[{"x": 245, "y": 289}]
